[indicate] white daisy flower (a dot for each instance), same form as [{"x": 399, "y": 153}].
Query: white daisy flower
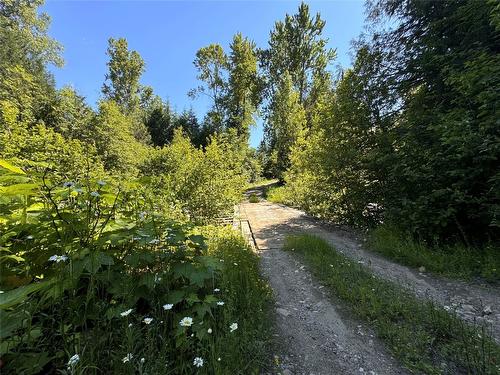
[
  {"x": 220, "y": 303},
  {"x": 216, "y": 290},
  {"x": 198, "y": 362},
  {"x": 218, "y": 359},
  {"x": 186, "y": 322},
  {"x": 147, "y": 320},
  {"x": 143, "y": 360},
  {"x": 30, "y": 237},
  {"x": 209, "y": 330},
  {"x": 73, "y": 360},
  {"x": 58, "y": 258},
  {"x": 127, "y": 312},
  {"x": 233, "y": 327},
  {"x": 130, "y": 325},
  {"x": 127, "y": 358},
  {"x": 168, "y": 306}
]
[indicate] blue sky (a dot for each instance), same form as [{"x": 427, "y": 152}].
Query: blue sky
[{"x": 167, "y": 34}]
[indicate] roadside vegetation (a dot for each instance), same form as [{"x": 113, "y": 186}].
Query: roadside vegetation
[
  {"x": 456, "y": 260},
  {"x": 109, "y": 260},
  {"x": 96, "y": 279},
  {"x": 424, "y": 337},
  {"x": 407, "y": 137}
]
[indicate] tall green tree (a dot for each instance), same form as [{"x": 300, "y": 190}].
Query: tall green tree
[
  {"x": 296, "y": 46},
  {"x": 159, "y": 120},
  {"x": 297, "y": 50},
  {"x": 25, "y": 84},
  {"x": 211, "y": 62},
  {"x": 244, "y": 85},
  {"x": 444, "y": 57},
  {"x": 125, "y": 68},
  {"x": 286, "y": 122},
  {"x": 115, "y": 141},
  {"x": 188, "y": 122}
]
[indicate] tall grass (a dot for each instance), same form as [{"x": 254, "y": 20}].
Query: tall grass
[
  {"x": 424, "y": 337},
  {"x": 456, "y": 260}
]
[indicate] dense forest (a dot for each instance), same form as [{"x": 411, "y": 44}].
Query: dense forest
[{"x": 108, "y": 212}]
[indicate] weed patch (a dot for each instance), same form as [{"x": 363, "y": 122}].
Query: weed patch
[{"x": 455, "y": 261}]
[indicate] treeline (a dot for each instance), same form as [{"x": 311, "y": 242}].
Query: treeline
[
  {"x": 202, "y": 165},
  {"x": 408, "y": 136}
]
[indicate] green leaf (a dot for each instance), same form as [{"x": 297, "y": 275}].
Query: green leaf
[
  {"x": 18, "y": 295},
  {"x": 18, "y": 189},
  {"x": 5, "y": 164}
]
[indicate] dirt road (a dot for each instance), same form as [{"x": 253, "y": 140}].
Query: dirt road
[{"x": 316, "y": 332}]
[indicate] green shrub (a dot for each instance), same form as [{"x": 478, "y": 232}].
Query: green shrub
[
  {"x": 278, "y": 194},
  {"x": 205, "y": 184},
  {"x": 253, "y": 198}
]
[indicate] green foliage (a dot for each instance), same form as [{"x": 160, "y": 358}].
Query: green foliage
[
  {"x": 125, "y": 70},
  {"x": 253, "y": 198},
  {"x": 159, "y": 120},
  {"x": 443, "y": 180},
  {"x": 115, "y": 141},
  {"x": 297, "y": 78},
  {"x": 453, "y": 260},
  {"x": 205, "y": 183},
  {"x": 39, "y": 148},
  {"x": 69, "y": 115},
  {"x": 278, "y": 194},
  {"x": 85, "y": 263},
  {"x": 286, "y": 123},
  {"x": 335, "y": 171},
  {"x": 296, "y": 47},
  {"x": 244, "y": 85},
  {"x": 212, "y": 63},
  {"x": 425, "y": 337},
  {"x": 409, "y": 135}
]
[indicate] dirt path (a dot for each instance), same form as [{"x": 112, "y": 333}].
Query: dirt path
[
  {"x": 317, "y": 334},
  {"x": 314, "y": 335}
]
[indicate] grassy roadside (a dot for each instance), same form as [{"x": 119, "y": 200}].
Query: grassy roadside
[
  {"x": 248, "y": 299},
  {"x": 455, "y": 261},
  {"x": 424, "y": 337}
]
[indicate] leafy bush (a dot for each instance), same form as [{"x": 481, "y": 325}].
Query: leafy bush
[
  {"x": 253, "y": 198},
  {"x": 94, "y": 279},
  {"x": 279, "y": 194},
  {"x": 204, "y": 183}
]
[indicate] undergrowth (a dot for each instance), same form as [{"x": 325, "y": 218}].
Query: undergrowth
[
  {"x": 95, "y": 278},
  {"x": 426, "y": 338},
  {"x": 457, "y": 261}
]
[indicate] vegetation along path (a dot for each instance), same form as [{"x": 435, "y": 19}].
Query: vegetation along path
[
  {"x": 319, "y": 336},
  {"x": 314, "y": 336}
]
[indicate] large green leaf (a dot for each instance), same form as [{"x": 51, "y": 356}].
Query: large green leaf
[
  {"x": 18, "y": 295},
  {"x": 18, "y": 189},
  {"x": 12, "y": 168}
]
